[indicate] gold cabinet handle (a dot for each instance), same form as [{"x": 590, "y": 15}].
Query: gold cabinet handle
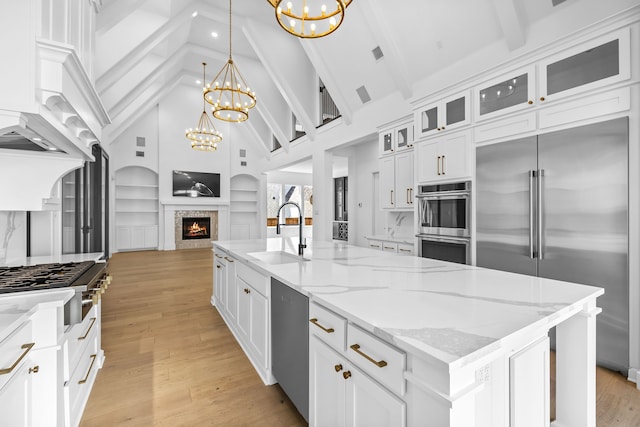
[
  {"x": 34, "y": 370},
  {"x": 391, "y": 196},
  {"x": 379, "y": 364},
  {"x": 530, "y": 102},
  {"x": 389, "y": 247},
  {"x": 338, "y": 368},
  {"x": 438, "y": 163},
  {"x": 93, "y": 320},
  {"x": 327, "y": 330},
  {"x": 408, "y": 202},
  {"x": 27, "y": 348},
  {"x": 218, "y": 256},
  {"x": 375, "y": 246},
  {"x": 229, "y": 259},
  {"x": 86, "y": 377},
  {"x": 443, "y": 166},
  {"x": 542, "y": 98},
  {"x": 404, "y": 250},
  {"x": 346, "y": 374},
  {"x": 218, "y": 266},
  {"x": 247, "y": 291}
]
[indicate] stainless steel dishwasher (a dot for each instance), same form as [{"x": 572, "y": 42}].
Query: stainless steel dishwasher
[{"x": 290, "y": 343}]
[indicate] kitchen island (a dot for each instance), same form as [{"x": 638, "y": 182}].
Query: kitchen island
[{"x": 464, "y": 345}]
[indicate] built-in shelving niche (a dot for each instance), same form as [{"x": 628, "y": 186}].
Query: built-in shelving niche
[
  {"x": 244, "y": 207},
  {"x": 136, "y": 208}
]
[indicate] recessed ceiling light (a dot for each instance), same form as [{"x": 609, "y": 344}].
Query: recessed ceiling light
[
  {"x": 194, "y": 14},
  {"x": 198, "y": 82},
  {"x": 37, "y": 139},
  {"x": 214, "y": 34},
  {"x": 52, "y": 149}
]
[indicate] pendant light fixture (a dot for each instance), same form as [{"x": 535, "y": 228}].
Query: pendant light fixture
[
  {"x": 204, "y": 137},
  {"x": 309, "y": 19},
  {"x": 228, "y": 92}
]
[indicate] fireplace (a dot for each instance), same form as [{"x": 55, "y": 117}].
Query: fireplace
[{"x": 196, "y": 228}]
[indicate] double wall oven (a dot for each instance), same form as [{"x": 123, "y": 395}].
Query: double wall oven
[{"x": 444, "y": 231}]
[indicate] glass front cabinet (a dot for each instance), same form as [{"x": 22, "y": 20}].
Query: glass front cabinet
[
  {"x": 396, "y": 138},
  {"x": 587, "y": 66},
  {"x": 506, "y": 93},
  {"x": 447, "y": 114}
]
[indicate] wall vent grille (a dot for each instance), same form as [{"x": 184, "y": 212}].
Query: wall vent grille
[
  {"x": 377, "y": 53},
  {"x": 363, "y": 94}
]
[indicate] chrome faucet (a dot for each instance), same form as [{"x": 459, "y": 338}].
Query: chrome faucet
[{"x": 302, "y": 243}]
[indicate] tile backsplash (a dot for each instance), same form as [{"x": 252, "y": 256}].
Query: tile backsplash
[{"x": 399, "y": 224}]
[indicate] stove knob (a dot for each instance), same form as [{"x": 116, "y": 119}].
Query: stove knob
[
  {"x": 102, "y": 289},
  {"x": 108, "y": 279},
  {"x": 95, "y": 299}
]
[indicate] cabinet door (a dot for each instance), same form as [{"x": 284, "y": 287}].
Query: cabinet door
[
  {"x": 151, "y": 236},
  {"x": 594, "y": 64},
  {"x": 529, "y": 385},
  {"x": 259, "y": 327},
  {"x": 219, "y": 282},
  {"x": 427, "y": 120},
  {"x": 403, "y": 136},
  {"x": 15, "y": 397},
  {"x": 404, "y": 180},
  {"x": 231, "y": 304},
  {"x": 386, "y": 141},
  {"x": 505, "y": 94},
  {"x": 456, "y": 111},
  {"x": 387, "y": 182},
  {"x": 123, "y": 237},
  {"x": 428, "y": 162},
  {"x": 137, "y": 237},
  {"x": 244, "y": 307},
  {"x": 454, "y": 161},
  {"x": 327, "y": 386},
  {"x": 370, "y": 404}
]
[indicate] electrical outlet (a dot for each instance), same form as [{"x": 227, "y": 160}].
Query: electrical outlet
[{"x": 483, "y": 374}]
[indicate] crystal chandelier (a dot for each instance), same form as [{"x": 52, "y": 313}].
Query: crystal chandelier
[
  {"x": 204, "y": 137},
  {"x": 308, "y": 18},
  {"x": 228, "y": 93}
]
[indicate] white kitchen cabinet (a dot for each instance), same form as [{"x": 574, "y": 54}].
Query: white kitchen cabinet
[
  {"x": 219, "y": 279},
  {"x": 405, "y": 249},
  {"x": 15, "y": 396},
  {"x": 444, "y": 158},
  {"x": 587, "y": 66},
  {"x": 446, "y": 114},
  {"x": 505, "y": 93},
  {"x": 396, "y": 138},
  {"x": 253, "y": 322},
  {"x": 396, "y": 181},
  {"x": 343, "y": 395},
  {"x": 231, "y": 294},
  {"x": 529, "y": 391}
]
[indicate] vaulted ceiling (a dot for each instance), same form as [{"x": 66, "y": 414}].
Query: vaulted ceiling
[{"x": 145, "y": 48}]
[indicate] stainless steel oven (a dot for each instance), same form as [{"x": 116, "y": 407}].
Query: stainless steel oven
[{"x": 444, "y": 231}]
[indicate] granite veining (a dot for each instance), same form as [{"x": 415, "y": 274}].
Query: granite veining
[{"x": 450, "y": 312}]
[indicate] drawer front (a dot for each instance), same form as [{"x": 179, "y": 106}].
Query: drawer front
[
  {"x": 78, "y": 387},
  {"x": 257, "y": 280},
  {"x": 389, "y": 247},
  {"x": 327, "y": 326},
  {"x": 79, "y": 335},
  {"x": 377, "y": 358},
  {"x": 404, "y": 249},
  {"x": 375, "y": 244},
  {"x": 14, "y": 350}
]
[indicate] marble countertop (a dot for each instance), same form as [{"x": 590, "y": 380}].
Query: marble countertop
[
  {"x": 48, "y": 259},
  {"x": 15, "y": 308},
  {"x": 396, "y": 239},
  {"x": 452, "y": 313}
]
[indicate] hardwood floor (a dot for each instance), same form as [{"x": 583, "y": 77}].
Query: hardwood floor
[{"x": 171, "y": 360}]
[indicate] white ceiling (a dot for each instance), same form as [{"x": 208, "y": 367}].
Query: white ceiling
[{"x": 145, "y": 47}]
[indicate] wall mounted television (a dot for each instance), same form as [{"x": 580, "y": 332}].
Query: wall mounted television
[{"x": 196, "y": 184}]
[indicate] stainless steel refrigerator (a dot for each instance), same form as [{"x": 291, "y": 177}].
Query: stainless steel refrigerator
[{"x": 556, "y": 206}]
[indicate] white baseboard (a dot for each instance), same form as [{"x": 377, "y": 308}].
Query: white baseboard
[{"x": 634, "y": 376}]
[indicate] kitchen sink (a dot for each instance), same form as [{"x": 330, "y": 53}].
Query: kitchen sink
[{"x": 277, "y": 257}]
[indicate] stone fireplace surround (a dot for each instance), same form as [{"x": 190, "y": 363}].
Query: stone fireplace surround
[{"x": 194, "y": 243}]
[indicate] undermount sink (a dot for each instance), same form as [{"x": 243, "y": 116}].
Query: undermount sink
[{"x": 277, "y": 257}]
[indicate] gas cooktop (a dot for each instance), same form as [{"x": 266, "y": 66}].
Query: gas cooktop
[{"x": 42, "y": 276}]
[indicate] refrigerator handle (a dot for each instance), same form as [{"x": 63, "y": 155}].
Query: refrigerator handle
[
  {"x": 532, "y": 204},
  {"x": 540, "y": 213}
]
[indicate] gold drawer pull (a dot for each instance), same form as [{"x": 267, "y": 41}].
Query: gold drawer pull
[
  {"x": 338, "y": 368},
  {"x": 218, "y": 256},
  {"x": 34, "y": 370},
  {"x": 93, "y": 359},
  {"x": 380, "y": 364},
  {"x": 346, "y": 375},
  {"x": 405, "y": 250},
  {"x": 27, "y": 348},
  {"x": 315, "y": 322},
  {"x": 93, "y": 320},
  {"x": 229, "y": 259}
]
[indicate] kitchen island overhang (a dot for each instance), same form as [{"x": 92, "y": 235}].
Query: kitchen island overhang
[{"x": 458, "y": 324}]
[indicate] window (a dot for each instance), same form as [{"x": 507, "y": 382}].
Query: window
[
  {"x": 277, "y": 194},
  {"x": 298, "y": 130}
]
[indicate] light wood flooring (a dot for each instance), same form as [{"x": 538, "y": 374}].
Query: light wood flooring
[{"x": 171, "y": 361}]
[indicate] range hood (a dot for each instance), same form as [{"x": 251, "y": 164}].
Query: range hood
[{"x": 47, "y": 129}]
